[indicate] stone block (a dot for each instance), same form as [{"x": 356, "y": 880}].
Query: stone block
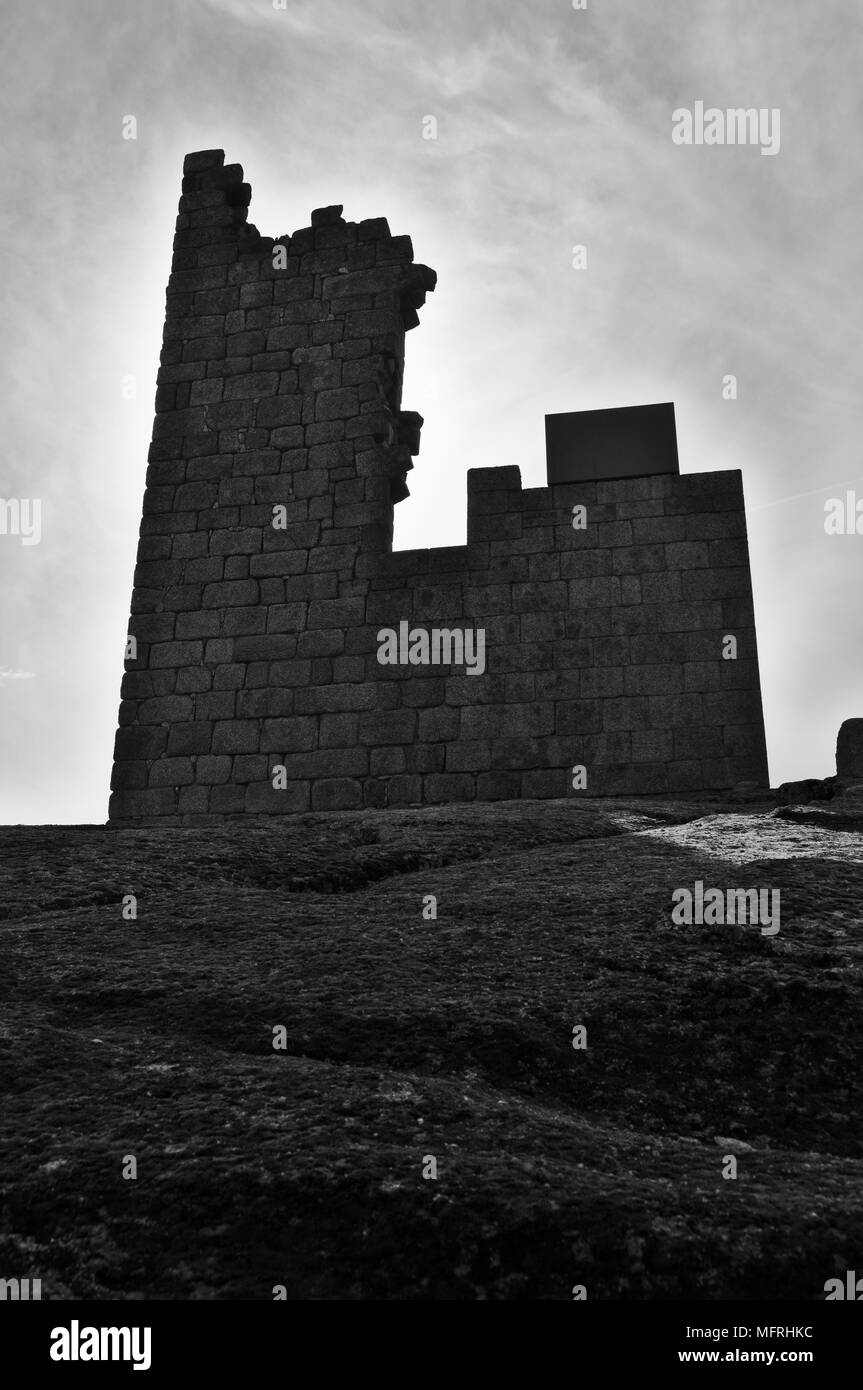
[
  {"x": 603, "y": 683},
  {"x": 212, "y": 771},
  {"x": 711, "y": 526},
  {"x": 620, "y": 622},
  {"x": 578, "y": 717},
  {"x": 236, "y": 736},
  {"x": 614, "y": 747},
  {"x": 336, "y": 613},
  {"x": 185, "y": 740},
  {"x": 639, "y": 559},
  {"x": 425, "y": 757},
  {"x": 498, "y": 786},
  {"x": 702, "y": 676},
  {"x": 603, "y": 591},
  {"x": 337, "y": 794},
  {"x": 706, "y": 584},
  {"x": 169, "y": 709},
  {"x": 137, "y": 743},
  {"x": 457, "y": 690},
  {"x": 741, "y": 741},
  {"x": 277, "y": 411},
  {"x": 849, "y": 750},
  {"x": 438, "y": 724},
  {"x": 495, "y": 721},
  {"x": 262, "y": 703},
  {"x": 330, "y": 762},
  {"x": 652, "y": 746},
  {"x": 165, "y": 654},
  {"x": 538, "y": 598},
  {"x": 385, "y": 762},
  {"x": 466, "y": 756},
  {"x": 142, "y": 685},
  {"x": 631, "y": 712},
  {"x": 335, "y": 699},
  {"x": 230, "y": 677},
  {"x": 732, "y": 707},
  {"x": 545, "y": 783},
  {"x": 406, "y": 790},
  {"x": 137, "y": 805},
  {"x": 677, "y": 711},
  {"x": 392, "y": 726},
  {"x": 685, "y": 776},
  {"x": 685, "y": 617},
  {"x": 654, "y": 680},
  {"x": 231, "y": 593},
  {"x": 193, "y": 801},
  {"x": 171, "y": 772},
  {"x": 439, "y": 787},
  {"x": 559, "y": 685},
  {"x": 243, "y": 622},
  {"x": 272, "y": 646},
  {"x": 216, "y": 705},
  {"x": 152, "y": 627},
  {"x": 338, "y": 730},
  {"x": 227, "y": 800},
  {"x": 262, "y": 799},
  {"x": 663, "y": 588},
  {"x": 294, "y": 735},
  {"x": 250, "y": 767}
]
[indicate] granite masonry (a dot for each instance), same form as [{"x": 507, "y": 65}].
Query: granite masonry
[{"x": 617, "y": 614}]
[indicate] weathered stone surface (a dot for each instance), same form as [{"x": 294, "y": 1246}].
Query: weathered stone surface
[
  {"x": 265, "y": 567},
  {"x": 800, "y": 792},
  {"x": 849, "y": 750},
  {"x": 468, "y": 1037}
]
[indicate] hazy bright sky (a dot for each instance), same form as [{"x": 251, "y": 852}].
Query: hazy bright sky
[{"x": 554, "y": 129}]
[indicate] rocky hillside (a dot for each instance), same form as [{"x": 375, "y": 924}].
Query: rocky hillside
[{"x": 403, "y": 1038}]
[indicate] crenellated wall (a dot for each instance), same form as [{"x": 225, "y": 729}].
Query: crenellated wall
[{"x": 265, "y": 568}]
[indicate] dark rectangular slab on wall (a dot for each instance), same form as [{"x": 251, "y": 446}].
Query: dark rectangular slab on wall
[{"x": 627, "y": 442}]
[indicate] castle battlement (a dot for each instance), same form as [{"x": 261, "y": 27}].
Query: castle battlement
[{"x": 616, "y": 613}]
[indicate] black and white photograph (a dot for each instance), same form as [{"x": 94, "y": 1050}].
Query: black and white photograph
[{"x": 431, "y": 675}]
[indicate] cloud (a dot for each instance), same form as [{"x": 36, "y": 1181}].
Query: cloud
[{"x": 6, "y": 675}]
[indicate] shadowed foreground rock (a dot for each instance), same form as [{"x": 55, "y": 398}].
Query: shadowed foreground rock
[
  {"x": 452, "y": 1038},
  {"x": 849, "y": 750}
]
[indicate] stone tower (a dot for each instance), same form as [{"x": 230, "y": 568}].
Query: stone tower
[{"x": 265, "y": 571}]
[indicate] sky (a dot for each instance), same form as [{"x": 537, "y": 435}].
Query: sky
[{"x": 553, "y": 130}]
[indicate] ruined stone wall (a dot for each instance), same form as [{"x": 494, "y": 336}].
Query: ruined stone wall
[{"x": 256, "y": 686}]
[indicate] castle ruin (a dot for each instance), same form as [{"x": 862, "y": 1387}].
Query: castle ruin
[{"x": 282, "y": 656}]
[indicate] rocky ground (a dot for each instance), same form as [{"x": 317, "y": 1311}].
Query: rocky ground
[{"x": 408, "y": 1038}]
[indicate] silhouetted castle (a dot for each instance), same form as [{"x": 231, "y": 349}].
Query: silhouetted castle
[{"x": 593, "y": 636}]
